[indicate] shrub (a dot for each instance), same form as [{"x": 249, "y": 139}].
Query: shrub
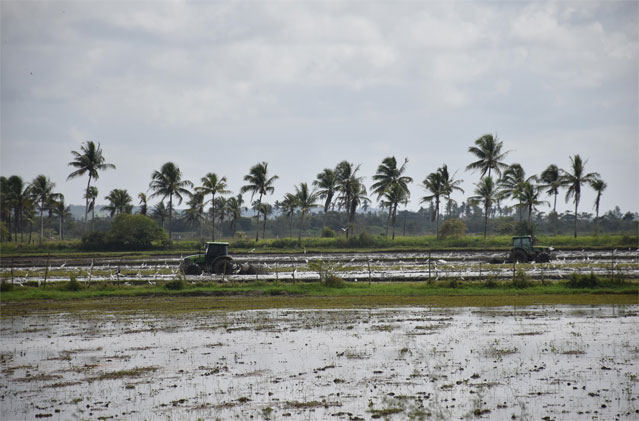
[
  {"x": 453, "y": 228},
  {"x": 583, "y": 281},
  {"x": 95, "y": 240},
  {"x": 6, "y": 286},
  {"x": 128, "y": 232},
  {"x": 73, "y": 284},
  {"x": 327, "y": 233},
  {"x": 491, "y": 283},
  {"x": 176, "y": 284},
  {"x": 334, "y": 281},
  {"x": 525, "y": 228},
  {"x": 521, "y": 280}
]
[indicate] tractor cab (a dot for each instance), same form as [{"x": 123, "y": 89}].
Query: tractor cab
[
  {"x": 215, "y": 259},
  {"x": 524, "y": 250}
]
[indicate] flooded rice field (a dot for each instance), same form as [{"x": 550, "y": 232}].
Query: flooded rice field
[
  {"x": 374, "y": 266},
  {"x": 540, "y": 362}
]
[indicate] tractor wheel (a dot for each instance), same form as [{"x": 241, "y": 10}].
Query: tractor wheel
[
  {"x": 543, "y": 258},
  {"x": 520, "y": 256},
  {"x": 223, "y": 266},
  {"x": 191, "y": 269}
]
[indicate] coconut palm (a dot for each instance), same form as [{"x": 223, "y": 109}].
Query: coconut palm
[
  {"x": 62, "y": 211},
  {"x": 91, "y": 196},
  {"x": 160, "y": 213},
  {"x": 91, "y": 162},
  {"x": 265, "y": 209},
  {"x": 392, "y": 197},
  {"x": 168, "y": 183},
  {"x": 306, "y": 202},
  {"x": 351, "y": 191},
  {"x": 598, "y": 185},
  {"x": 551, "y": 179},
  {"x": 143, "y": 205},
  {"x": 41, "y": 190},
  {"x": 529, "y": 198},
  {"x": 221, "y": 209},
  {"x": 259, "y": 183},
  {"x": 512, "y": 184},
  {"x": 212, "y": 184},
  {"x": 574, "y": 180},
  {"x": 486, "y": 192},
  {"x": 119, "y": 202},
  {"x": 326, "y": 182},
  {"x": 15, "y": 198},
  {"x": 389, "y": 177},
  {"x": 488, "y": 151},
  {"x": 235, "y": 210},
  {"x": 434, "y": 184},
  {"x": 194, "y": 214},
  {"x": 450, "y": 185},
  {"x": 288, "y": 206}
]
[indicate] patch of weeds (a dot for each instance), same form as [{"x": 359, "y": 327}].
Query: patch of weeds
[
  {"x": 491, "y": 283},
  {"x": 583, "y": 281},
  {"x": 113, "y": 375},
  {"x": 453, "y": 283},
  {"x": 521, "y": 280},
  {"x": 378, "y": 413},
  {"x": 267, "y": 412},
  {"x": 334, "y": 281},
  {"x": 73, "y": 284},
  {"x": 6, "y": 286},
  {"x": 176, "y": 284}
]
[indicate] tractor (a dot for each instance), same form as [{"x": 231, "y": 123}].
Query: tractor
[
  {"x": 215, "y": 259},
  {"x": 523, "y": 251}
]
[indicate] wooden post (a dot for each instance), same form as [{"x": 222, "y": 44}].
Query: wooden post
[
  {"x": 46, "y": 270},
  {"x": 277, "y": 275},
  {"x": 429, "y": 266},
  {"x": 12, "y": 270},
  {"x": 514, "y": 268},
  {"x": 369, "y": 271},
  {"x": 480, "y": 270},
  {"x": 612, "y": 265}
]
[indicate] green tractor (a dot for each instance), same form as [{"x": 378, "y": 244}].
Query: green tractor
[
  {"x": 524, "y": 251},
  {"x": 215, "y": 259}
]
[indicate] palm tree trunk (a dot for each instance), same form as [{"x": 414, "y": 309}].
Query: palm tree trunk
[
  {"x": 576, "y": 205},
  {"x": 597, "y": 218},
  {"x": 436, "y": 218},
  {"x": 86, "y": 206},
  {"x": 41, "y": 222},
  {"x": 404, "y": 228},
  {"x": 394, "y": 217},
  {"x": 257, "y": 224},
  {"x": 299, "y": 237},
  {"x": 170, "y": 217},
  {"x": 390, "y": 210},
  {"x": 264, "y": 227},
  {"x": 60, "y": 233},
  {"x": 485, "y": 220},
  {"x": 213, "y": 217}
]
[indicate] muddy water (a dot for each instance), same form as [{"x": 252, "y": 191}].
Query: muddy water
[{"x": 563, "y": 362}]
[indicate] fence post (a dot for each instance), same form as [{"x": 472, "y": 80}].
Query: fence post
[
  {"x": 46, "y": 270},
  {"x": 612, "y": 265},
  {"x": 277, "y": 275},
  {"x": 480, "y": 270},
  {"x": 369, "y": 271},
  {"x": 514, "y": 268},
  {"x": 429, "y": 266}
]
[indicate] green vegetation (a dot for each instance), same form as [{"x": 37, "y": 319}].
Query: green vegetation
[{"x": 309, "y": 294}]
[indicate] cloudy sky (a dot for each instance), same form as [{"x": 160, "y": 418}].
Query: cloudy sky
[{"x": 220, "y": 86}]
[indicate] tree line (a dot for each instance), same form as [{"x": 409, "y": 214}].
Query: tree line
[{"x": 338, "y": 190}]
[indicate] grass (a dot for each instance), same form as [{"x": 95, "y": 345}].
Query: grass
[
  {"x": 338, "y": 244},
  {"x": 239, "y": 296}
]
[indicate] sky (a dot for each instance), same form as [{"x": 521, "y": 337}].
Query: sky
[{"x": 220, "y": 86}]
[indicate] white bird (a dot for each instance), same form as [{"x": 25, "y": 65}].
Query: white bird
[
  {"x": 442, "y": 261},
  {"x": 252, "y": 250},
  {"x": 63, "y": 265}
]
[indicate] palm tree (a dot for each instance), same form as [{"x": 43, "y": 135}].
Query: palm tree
[
  {"x": 486, "y": 192},
  {"x": 91, "y": 196},
  {"x": 62, "y": 211},
  {"x": 434, "y": 184},
  {"x": 235, "y": 210},
  {"x": 213, "y": 185},
  {"x": 306, "y": 201},
  {"x": 552, "y": 180},
  {"x": 575, "y": 179},
  {"x": 327, "y": 183},
  {"x": 17, "y": 198},
  {"x": 529, "y": 198},
  {"x": 389, "y": 177},
  {"x": 143, "y": 205},
  {"x": 488, "y": 151},
  {"x": 119, "y": 202},
  {"x": 90, "y": 161},
  {"x": 450, "y": 185},
  {"x": 168, "y": 182},
  {"x": 259, "y": 183},
  {"x": 222, "y": 209},
  {"x": 512, "y": 184},
  {"x": 194, "y": 214},
  {"x": 41, "y": 190},
  {"x": 265, "y": 209},
  {"x": 392, "y": 197},
  {"x": 598, "y": 185},
  {"x": 351, "y": 191},
  {"x": 288, "y": 206},
  {"x": 160, "y": 212}
]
